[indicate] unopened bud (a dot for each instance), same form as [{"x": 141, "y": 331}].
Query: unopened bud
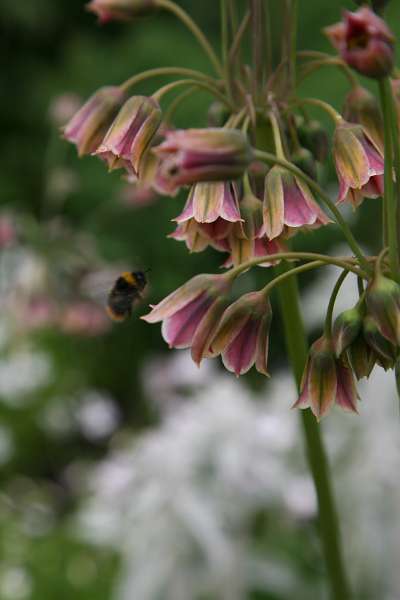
[
  {"x": 346, "y": 328},
  {"x": 362, "y": 107},
  {"x": 383, "y": 304},
  {"x": 120, "y": 10},
  {"x": 314, "y": 137},
  {"x": 385, "y": 351},
  {"x": 304, "y": 160},
  {"x": 217, "y": 114}
]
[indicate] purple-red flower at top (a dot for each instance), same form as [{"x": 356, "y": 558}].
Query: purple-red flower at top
[
  {"x": 88, "y": 126},
  {"x": 192, "y": 155},
  {"x": 364, "y": 41},
  {"x": 119, "y": 10},
  {"x": 191, "y": 313}
]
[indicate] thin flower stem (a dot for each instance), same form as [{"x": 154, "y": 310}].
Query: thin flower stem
[
  {"x": 344, "y": 263},
  {"x": 238, "y": 37},
  {"x": 331, "y": 305},
  {"x": 258, "y": 45},
  {"x": 329, "y": 61},
  {"x": 271, "y": 159},
  {"x": 192, "y": 82},
  {"x": 295, "y": 271},
  {"x": 277, "y": 136},
  {"x": 195, "y": 30},
  {"x": 160, "y": 71},
  {"x": 225, "y": 45},
  {"x": 335, "y": 116},
  {"x": 292, "y": 50},
  {"x": 328, "y": 522},
  {"x": 389, "y": 204},
  {"x": 169, "y": 113}
]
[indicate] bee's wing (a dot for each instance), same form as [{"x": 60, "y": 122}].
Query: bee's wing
[{"x": 98, "y": 284}]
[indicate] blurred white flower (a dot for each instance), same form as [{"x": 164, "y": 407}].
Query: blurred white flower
[{"x": 21, "y": 373}]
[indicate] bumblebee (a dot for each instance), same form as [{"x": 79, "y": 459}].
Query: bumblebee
[{"x": 124, "y": 293}]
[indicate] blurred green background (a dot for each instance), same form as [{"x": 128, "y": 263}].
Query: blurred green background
[{"x": 70, "y": 217}]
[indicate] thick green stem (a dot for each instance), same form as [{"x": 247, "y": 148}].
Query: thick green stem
[
  {"x": 327, "y": 518},
  {"x": 396, "y": 155},
  {"x": 194, "y": 29},
  {"x": 389, "y": 204},
  {"x": 274, "y": 160},
  {"x": 258, "y": 45}
]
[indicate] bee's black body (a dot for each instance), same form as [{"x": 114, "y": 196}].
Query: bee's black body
[{"x": 126, "y": 290}]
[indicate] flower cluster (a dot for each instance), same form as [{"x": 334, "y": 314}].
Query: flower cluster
[{"x": 248, "y": 198}]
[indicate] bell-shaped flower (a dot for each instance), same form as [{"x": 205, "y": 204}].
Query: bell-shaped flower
[
  {"x": 131, "y": 134},
  {"x": 289, "y": 204},
  {"x": 208, "y": 202},
  {"x": 359, "y": 164},
  {"x": 190, "y": 315},
  {"x": 193, "y": 155},
  {"x": 364, "y": 41},
  {"x": 88, "y": 126},
  {"x": 362, "y": 107},
  {"x": 326, "y": 381},
  {"x": 198, "y": 236},
  {"x": 242, "y": 337},
  {"x": 120, "y": 10}
]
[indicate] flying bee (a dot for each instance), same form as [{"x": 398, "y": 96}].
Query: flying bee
[{"x": 124, "y": 293}]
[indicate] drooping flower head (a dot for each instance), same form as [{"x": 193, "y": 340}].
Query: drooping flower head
[
  {"x": 243, "y": 334},
  {"x": 289, "y": 204},
  {"x": 208, "y": 202},
  {"x": 326, "y": 381},
  {"x": 364, "y": 41},
  {"x": 191, "y": 313},
  {"x": 362, "y": 107},
  {"x": 88, "y": 126},
  {"x": 359, "y": 164},
  {"x": 383, "y": 304},
  {"x": 130, "y": 134},
  {"x": 120, "y": 10},
  {"x": 192, "y": 155}
]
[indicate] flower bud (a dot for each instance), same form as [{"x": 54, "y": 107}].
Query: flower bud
[
  {"x": 383, "y": 304},
  {"x": 359, "y": 164},
  {"x": 193, "y": 155},
  {"x": 346, "y": 328},
  {"x": 304, "y": 160},
  {"x": 217, "y": 114},
  {"x": 120, "y": 10},
  {"x": 87, "y": 128},
  {"x": 363, "y": 108},
  {"x": 130, "y": 134},
  {"x": 313, "y": 136},
  {"x": 364, "y": 42}
]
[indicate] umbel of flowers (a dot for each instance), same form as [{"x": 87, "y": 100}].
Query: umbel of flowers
[
  {"x": 246, "y": 202},
  {"x": 247, "y": 199}
]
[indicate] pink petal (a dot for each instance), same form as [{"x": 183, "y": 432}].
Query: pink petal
[
  {"x": 346, "y": 393},
  {"x": 187, "y": 212},
  {"x": 230, "y": 206},
  {"x": 297, "y": 210},
  {"x": 179, "y": 329},
  {"x": 240, "y": 355}
]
